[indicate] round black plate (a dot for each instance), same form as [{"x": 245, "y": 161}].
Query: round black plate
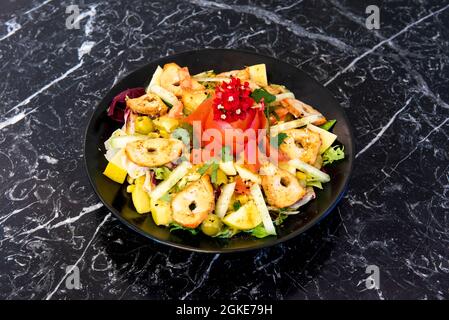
[{"x": 119, "y": 202}]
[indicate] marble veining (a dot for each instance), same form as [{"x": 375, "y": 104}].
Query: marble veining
[{"x": 392, "y": 83}]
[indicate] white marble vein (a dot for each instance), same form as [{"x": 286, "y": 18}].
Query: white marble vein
[
  {"x": 12, "y": 120},
  {"x": 417, "y": 145},
  {"x": 47, "y": 86},
  {"x": 380, "y": 44},
  {"x": 50, "y": 295},
  {"x": 203, "y": 278},
  {"x": 84, "y": 211},
  {"x": 12, "y": 27},
  {"x": 37, "y": 7},
  {"x": 275, "y": 18},
  {"x": 384, "y": 128}
]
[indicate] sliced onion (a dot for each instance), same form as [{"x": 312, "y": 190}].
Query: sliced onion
[
  {"x": 310, "y": 195},
  {"x": 110, "y": 153},
  {"x": 286, "y": 95},
  {"x": 148, "y": 184},
  {"x": 129, "y": 126}
]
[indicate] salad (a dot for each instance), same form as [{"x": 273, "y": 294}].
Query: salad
[{"x": 220, "y": 154}]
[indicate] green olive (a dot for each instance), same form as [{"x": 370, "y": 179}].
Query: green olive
[
  {"x": 211, "y": 226},
  {"x": 144, "y": 125}
]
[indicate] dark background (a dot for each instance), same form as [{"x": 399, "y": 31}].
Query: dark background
[{"x": 392, "y": 83}]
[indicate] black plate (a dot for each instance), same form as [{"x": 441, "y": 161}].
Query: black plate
[{"x": 119, "y": 202}]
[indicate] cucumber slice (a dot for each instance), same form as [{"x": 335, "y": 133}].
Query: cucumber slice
[
  {"x": 176, "y": 175},
  {"x": 263, "y": 210},
  {"x": 315, "y": 173},
  {"x": 224, "y": 199}
]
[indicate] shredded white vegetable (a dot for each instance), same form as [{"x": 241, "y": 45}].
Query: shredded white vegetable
[
  {"x": 263, "y": 210},
  {"x": 274, "y": 130}
]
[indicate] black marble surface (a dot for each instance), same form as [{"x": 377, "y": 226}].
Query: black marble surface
[{"x": 392, "y": 82}]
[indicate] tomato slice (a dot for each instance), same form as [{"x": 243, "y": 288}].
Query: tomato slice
[{"x": 242, "y": 131}]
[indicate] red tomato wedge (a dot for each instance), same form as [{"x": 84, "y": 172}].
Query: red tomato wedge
[{"x": 246, "y": 135}]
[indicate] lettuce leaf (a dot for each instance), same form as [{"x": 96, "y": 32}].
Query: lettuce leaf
[
  {"x": 328, "y": 125},
  {"x": 174, "y": 226},
  {"x": 333, "y": 154},
  {"x": 226, "y": 233},
  {"x": 259, "y": 232},
  {"x": 161, "y": 173},
  {"x": 314, "y": 183}
]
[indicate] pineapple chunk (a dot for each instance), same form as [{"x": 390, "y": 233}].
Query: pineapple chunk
[
  {"x": 192, "y": 99},
  {"x": 327, "y": 138},
  {"x": 141, "y": 200},
  {"x": 114, "y": 169},
  {"x": 115, "y": 173},
  {"x": 258, "y": 74},
  {"x": 166, "y": 124},
  {"x": 161, "y": 212}
]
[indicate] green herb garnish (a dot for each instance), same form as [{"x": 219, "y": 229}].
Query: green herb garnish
[
  {"x": 226, "y": 154},
  {"x": 280, "y": 218},
  {"x": 236, "y": 205},
  {"x": 277, "y": 140},
  {"x": 258, "y": 94}
]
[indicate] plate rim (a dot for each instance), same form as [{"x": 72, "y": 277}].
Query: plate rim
[{"x": 317, "y": 219}]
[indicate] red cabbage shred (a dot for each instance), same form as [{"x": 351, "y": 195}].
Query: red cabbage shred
[{"x": 117, "y": 107}]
